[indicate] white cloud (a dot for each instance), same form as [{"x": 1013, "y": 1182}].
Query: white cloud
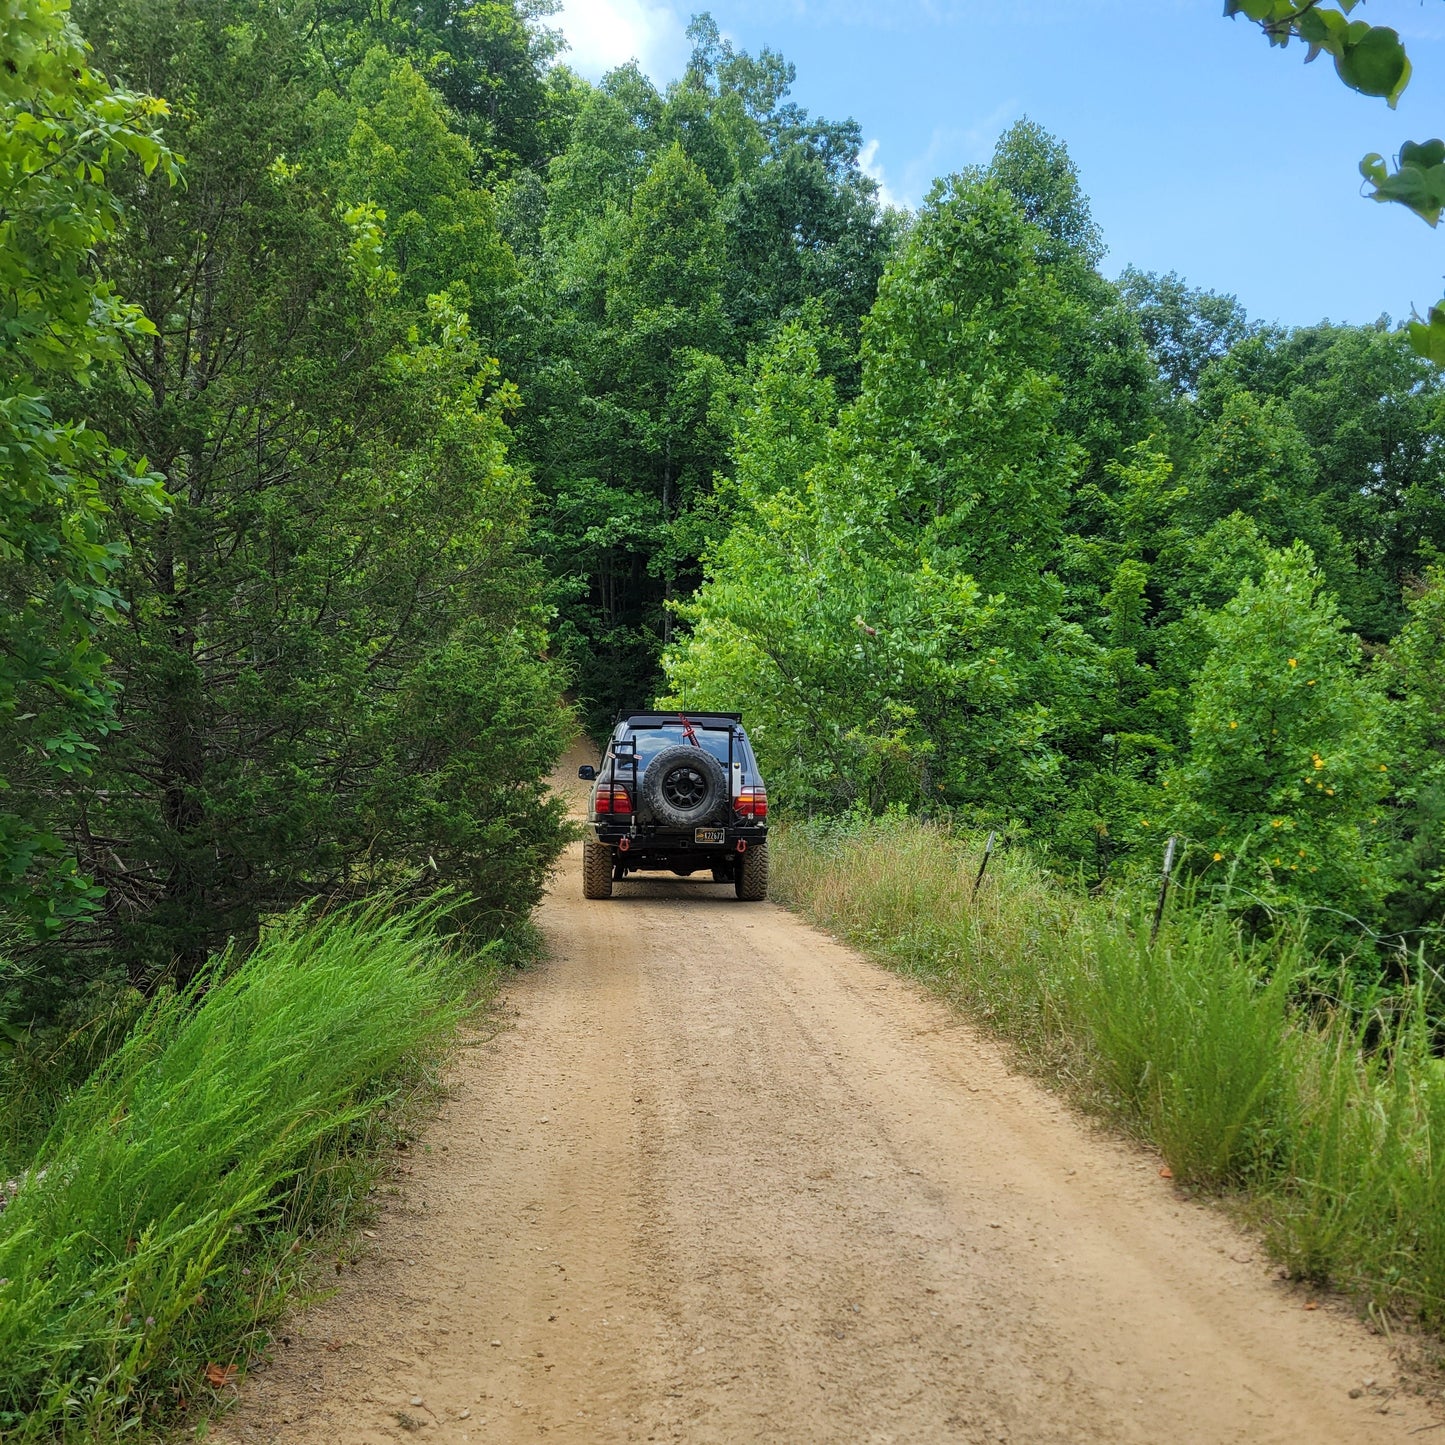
[
  {"x": 869, "y": 164},
  {"x": 981, "y": 137},
  {"x": 603, "y": 34},
  {"x": 949, "y": 148}
]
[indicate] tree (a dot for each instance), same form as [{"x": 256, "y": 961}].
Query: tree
[
  {"x": 1373, "y": 416},
  {"x": 1185, "y": 328},
  {"x": 1038, "y": 172},
  {"x": 803, "y": 221},
  {"x": 884, "y": 599},
  {"x": 644, "y": 438},
  {"x": 65, "y": 134},
  {"x": 679, "y": 230},
  {"x": 1106, "y": 391},
  {"x": 1411, "y": 673},
  {"x": 953, "y": 441},
  {"x": 488, "y": 59},
  {"x": 1252, "y": 460},
  {"x": 333, "y": 672},
  {"x": 391, "y": 148},
  {"x": 827, "y": 646},
  {"x": 1281, "y": 793}
]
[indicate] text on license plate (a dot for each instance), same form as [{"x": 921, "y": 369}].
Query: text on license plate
[{"x": 710, "y": 835}]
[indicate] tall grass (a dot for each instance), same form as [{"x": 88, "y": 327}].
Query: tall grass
[
  {"x": 161, "y": 1220},
  {"x": 40, "y": 1069},
  {"x": 1320, "y": 1106}
]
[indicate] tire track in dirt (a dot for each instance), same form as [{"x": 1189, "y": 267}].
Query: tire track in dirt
[{"x": 720, "y": 1179}]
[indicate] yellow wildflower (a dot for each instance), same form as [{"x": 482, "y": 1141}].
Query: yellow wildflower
[
  {"x": 1294, "y": 662},
  {"x": 1218, "y": 857}
]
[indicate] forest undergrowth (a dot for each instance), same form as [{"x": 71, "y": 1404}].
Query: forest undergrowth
[
  {"x": 1313, "y": 1102},
  {"x": 185, "y": 1191}
]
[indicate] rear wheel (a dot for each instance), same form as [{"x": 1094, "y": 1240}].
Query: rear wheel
[
  {"x": 596, "y": 870},
  {"x": 752, "y": 875}
]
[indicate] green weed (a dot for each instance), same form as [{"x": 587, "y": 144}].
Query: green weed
[{"x": 164, "y": 1216}]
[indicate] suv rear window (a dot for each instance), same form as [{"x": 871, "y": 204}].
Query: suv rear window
[{"x": 651, "y": 741}]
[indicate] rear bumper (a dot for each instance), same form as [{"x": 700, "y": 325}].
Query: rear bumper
[{"x": 657, "y": 847}]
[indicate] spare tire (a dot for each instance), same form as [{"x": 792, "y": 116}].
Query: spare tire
[{"x": 684, "y": 786}]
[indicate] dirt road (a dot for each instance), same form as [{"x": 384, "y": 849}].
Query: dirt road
[{"x": 722, "y": 1180}]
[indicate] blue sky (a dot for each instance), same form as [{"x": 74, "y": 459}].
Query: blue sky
[{"x": 1203, "y": 150}]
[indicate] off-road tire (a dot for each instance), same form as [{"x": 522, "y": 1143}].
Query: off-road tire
[
  {"x": 752, "y": 879},
  {"x": 684, "y": 787},
  {"x": 596, "y": 870}
]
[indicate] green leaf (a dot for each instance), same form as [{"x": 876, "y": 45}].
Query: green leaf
[
  {"x": 1372, "y": 167},
  {"x": 1373, "y": 61},
  {"x": 1424, "y": 153},
  {"x": 1427, "y": 338},
  {"x": 1419, "y": 183},
  {"x": 1324, "y": 29}
]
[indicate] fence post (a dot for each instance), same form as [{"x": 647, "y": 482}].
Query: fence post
[
  {"x": 1163, "y": 888},
  {"x": 987, "y": 854}
]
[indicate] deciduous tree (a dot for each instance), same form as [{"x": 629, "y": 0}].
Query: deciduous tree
[
  {"x": 65, "y": 134},
  {"x": 1281, "y": 793}
]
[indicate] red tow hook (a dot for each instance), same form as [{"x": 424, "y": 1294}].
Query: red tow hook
[
  {"x": 742, "y": 845},
  {"x": 623, "y": 844}
]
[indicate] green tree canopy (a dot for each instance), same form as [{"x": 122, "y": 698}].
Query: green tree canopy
[
  {"x": 1283, "y": 788},
  {"x": 65, "y": 134},
  {"x": 1184, "y": 327},
  {"x": 488, "y": 59},
  {"x": 332, "y": 675}
]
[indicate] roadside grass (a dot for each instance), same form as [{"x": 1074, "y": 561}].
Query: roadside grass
[
  {"x": 40, "y": 1070},
  {"x": 178, "y": 1194},
  {"x": 1316, "y": 1106}
]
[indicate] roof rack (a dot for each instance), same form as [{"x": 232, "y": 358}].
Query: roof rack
[{"x": 647, "y": 715}]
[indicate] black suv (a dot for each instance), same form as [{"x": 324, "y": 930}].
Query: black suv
[{"x": 677, "y": 793}]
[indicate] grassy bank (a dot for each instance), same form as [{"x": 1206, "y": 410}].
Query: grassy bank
[
  {"x": 1250, "y": 1070},
  {"x": 173, "y": 1202}
]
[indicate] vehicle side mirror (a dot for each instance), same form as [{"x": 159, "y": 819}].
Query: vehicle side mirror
[{"x": 587, "y": 772}]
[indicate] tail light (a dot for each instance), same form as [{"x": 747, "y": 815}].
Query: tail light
[
  {"x": 752, "y": 803},
  {"x": 614, "y": 802}
]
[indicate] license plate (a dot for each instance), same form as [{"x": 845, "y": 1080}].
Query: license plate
[{"x": 710, "y": 835}]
